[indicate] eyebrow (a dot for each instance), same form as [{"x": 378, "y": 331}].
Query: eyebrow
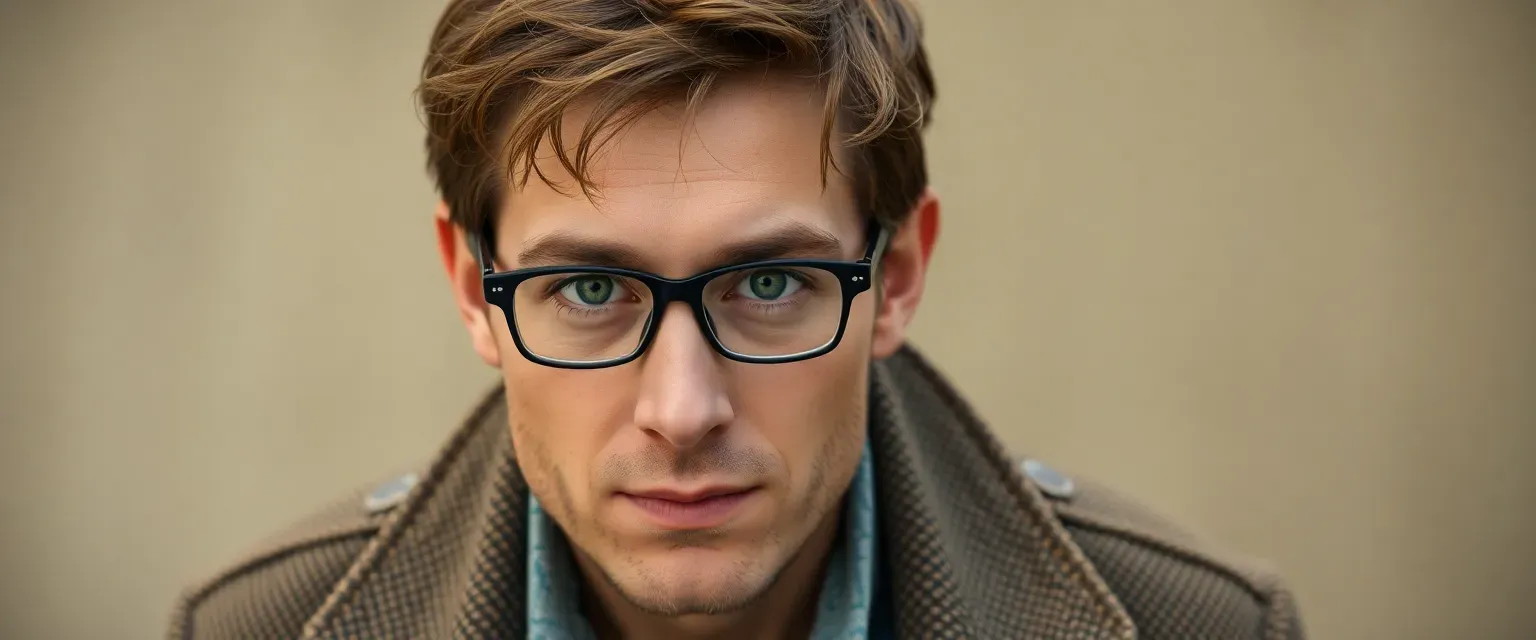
[
  {"x": 566, "y": 248},
  {"x": 792, "y": 240}
]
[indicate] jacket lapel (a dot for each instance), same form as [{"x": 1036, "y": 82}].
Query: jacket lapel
[
  {"x": 449, "y": 562},
  {"x": 971, "y": 549},
  {"x": 974, "y": 552}
]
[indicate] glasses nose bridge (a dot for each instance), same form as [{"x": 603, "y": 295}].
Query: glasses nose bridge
[{"x": 688, "y": 292}]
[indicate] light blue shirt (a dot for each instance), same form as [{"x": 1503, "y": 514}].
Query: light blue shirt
[{"x": 842, "y": 612}]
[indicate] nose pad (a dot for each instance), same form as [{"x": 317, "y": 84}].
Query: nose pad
[{"x": 683, "y": 396}]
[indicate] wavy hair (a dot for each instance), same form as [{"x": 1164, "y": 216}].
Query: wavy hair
[{"x": 500, "y": 75}]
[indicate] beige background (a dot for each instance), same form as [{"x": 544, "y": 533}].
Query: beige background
[{"x": 1268, "y": 266}]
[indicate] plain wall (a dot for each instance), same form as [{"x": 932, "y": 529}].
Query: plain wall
[{"x": 1269, "y": 267}]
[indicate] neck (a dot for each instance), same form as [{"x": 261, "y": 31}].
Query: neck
[{"x": 786, "y": 610}]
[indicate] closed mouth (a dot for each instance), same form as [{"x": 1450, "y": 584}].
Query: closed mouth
[{"x": 684, "y": 510}]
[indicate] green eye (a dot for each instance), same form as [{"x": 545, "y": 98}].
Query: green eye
[
  {"x": 589, "y": 290},
  {"x": 768, "y": 284}
]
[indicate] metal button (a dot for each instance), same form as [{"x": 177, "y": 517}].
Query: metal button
[
  {"x": 1051, "y": 482},
  {"x": 386, "y": 496}
]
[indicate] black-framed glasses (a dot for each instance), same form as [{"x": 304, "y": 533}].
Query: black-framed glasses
[{"x": 766, "y": 312}]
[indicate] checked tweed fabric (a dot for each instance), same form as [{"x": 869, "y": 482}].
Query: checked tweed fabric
[{"x": 973, "y": 548}]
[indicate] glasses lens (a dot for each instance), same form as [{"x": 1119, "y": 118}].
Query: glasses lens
[
  {"x": 581, "y": 316},
  {"x": 774, "y": 311}
]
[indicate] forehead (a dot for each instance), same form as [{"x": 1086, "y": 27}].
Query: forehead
[{"x": 748, "y": 163}]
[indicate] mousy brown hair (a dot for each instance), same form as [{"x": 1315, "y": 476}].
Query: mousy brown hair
[{"x": 500, "y": 75}]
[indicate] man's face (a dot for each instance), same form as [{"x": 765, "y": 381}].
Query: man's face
[{"x": 689, "y": 480}]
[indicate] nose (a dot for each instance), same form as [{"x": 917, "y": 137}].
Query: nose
[{"x": 683, "y": 396}]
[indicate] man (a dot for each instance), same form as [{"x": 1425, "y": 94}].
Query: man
[{"x": 690, "y": 235}]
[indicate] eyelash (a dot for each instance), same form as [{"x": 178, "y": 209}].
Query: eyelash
[
  {"x": 808, "y": 284},
  {"x": 561, "y": 306}
]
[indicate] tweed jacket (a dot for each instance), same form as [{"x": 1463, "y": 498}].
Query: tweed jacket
[{"x": 974, "y": 547}]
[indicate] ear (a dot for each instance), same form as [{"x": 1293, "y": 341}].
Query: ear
[
  {"x": 903, "y": 272},
  {"x": 464, "y": 278}
]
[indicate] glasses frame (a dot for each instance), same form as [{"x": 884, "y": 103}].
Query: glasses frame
[{"x": 854, "y": 277}]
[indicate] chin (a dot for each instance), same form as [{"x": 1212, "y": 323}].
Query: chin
[{"x": 692, "y": 581}]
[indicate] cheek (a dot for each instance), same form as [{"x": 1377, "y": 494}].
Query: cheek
[
  {"x": 559, "y": 427},
  {"x": 811, "y": 412}
]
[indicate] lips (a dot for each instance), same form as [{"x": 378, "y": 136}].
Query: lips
[{"x": 685, "y": 510}]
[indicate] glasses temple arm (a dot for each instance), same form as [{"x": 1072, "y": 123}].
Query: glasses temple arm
[
  {"x": 878, "y": 238},
  {"x": 482, "y": 253}
]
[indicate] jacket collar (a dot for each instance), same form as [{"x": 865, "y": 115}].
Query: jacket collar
[{"x": 973, "y": 550}]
